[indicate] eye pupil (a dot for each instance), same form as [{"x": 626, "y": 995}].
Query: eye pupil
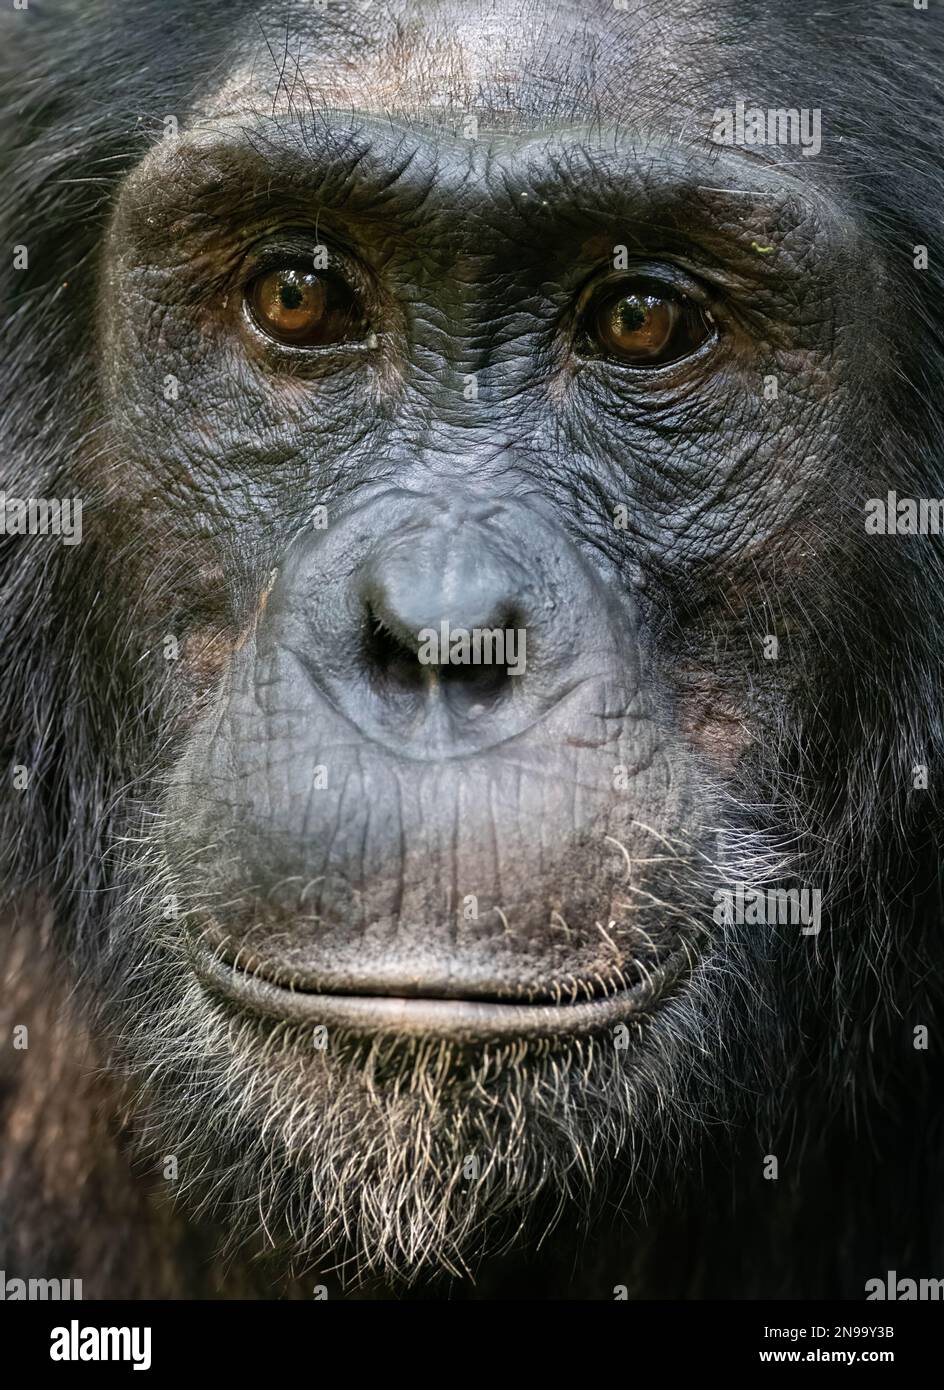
[
  {"x": 291, "y": 296},
  {"x": 630, "y": 314}
]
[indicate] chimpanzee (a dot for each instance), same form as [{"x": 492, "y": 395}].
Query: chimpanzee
[{"x": 473, "y": 766}]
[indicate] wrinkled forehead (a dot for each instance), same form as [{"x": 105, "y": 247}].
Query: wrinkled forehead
[
  {"x": 513, "y": 66},
  {"x": 597, "y": 111}
]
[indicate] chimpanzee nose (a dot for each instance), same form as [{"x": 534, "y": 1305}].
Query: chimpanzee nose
[
  {"x": 439, "y": 626},
  {"x": 448, "y": 612},
  {"x": 416, "y": 586}
]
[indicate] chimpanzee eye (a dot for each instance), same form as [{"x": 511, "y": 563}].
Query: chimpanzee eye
[
  {"x": 299, "y": 306},
  {"x": 643, "y": 326}
]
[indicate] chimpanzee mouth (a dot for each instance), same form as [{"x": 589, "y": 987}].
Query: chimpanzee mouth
[{"x": 591, "y": 1007}]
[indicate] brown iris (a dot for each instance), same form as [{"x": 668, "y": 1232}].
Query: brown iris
[
  {"x": 643, "y": 328},
  {"x": 296, "y": 305}
]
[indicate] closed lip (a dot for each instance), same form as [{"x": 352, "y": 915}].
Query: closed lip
[{"x": 418, "y": 1016}]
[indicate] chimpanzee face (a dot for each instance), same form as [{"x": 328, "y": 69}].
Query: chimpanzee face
[{"x": 438, "y": 350}]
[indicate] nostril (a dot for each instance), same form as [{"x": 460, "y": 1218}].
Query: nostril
[
  {"x": 391, "y": 659},
  {"x": 466, "y": 688},
  {"x": 402, "y": 663}
]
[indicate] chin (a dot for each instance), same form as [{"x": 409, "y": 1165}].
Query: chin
[{"x": 390, "y": 1127}]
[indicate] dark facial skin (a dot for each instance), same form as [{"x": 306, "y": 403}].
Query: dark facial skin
[{"x": 529, "y": 395}]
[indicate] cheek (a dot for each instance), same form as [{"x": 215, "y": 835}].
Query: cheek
[
  {"x": 209, "y": 649},
  {"x": 713, "y": 720},
  {"x": 205, "y": 655},
  {"x": 721, "y": 737}
]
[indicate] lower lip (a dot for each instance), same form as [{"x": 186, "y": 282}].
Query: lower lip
[{"x": 463, "y": 1020}]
